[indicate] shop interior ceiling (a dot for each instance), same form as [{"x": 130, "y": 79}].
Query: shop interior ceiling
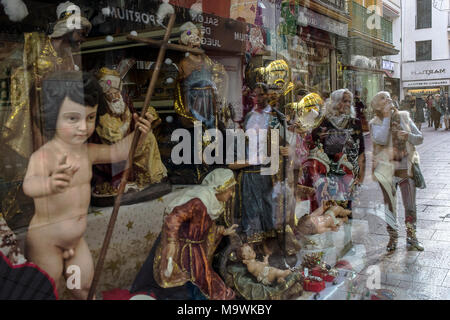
[
  {"x": 42, "y": 13},
  {"x": 38, "y": 18}
]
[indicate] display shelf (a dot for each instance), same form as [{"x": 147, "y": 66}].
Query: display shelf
[
  {"x": 154, "y": 103},
  {"x": 161, "y": 106}
]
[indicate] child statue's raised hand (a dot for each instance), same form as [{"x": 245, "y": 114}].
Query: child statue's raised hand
[{"x": 62, "y": 176}]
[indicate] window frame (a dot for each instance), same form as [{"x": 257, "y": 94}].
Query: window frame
[
  {"x": 431, "y": 49},
  {"x": 417, "y": 15}
]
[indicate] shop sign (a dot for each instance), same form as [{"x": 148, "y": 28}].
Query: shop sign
[
  {"x": 325, "y": 23},
  {"x": 207, "y": 29},
  {"x": 432, "y": 83},
  {"x": 132, "y": 16},
  {"x": 388, "y": 65},
  {"x": 222, "y": 33},
  {"x": 429, "y": 70}
]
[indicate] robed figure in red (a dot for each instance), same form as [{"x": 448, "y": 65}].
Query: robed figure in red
[{"x": 188, "y": 240}]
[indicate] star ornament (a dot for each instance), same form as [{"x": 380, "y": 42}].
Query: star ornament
[
  {"x": 149, "y": 236},
  {"x": 97, "y": 213},
  {"x": 130, "y": 225}
]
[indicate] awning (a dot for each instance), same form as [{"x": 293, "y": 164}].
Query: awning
[{"x": 390, "y": 74}]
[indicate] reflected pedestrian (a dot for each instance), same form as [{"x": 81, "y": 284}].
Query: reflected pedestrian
[
  {"x": 428, "y": 104},
  {"x": 436, "y": 111},
  {"x": 419, "y": 116},
  {"x": 446, "y": 109},
  {"x": 396, "y": 163}
]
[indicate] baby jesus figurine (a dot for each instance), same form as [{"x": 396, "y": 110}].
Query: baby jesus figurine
[
  {"x": 261, "y": 270},
  {"x": 323, "y": 220}
]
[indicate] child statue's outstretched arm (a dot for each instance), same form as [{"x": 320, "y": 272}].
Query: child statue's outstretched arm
[{"x": 102, "y": 153}]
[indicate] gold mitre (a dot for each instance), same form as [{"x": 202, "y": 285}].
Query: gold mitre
[
  {"x": 311, "y": 101},
  {"x": 106, "y": 71},
  {"x": 277, "y": 73},
  {"x": 277, "y": 65},
  {"x": 109, "y": 78},
  {"x": 308, "y": 113}
]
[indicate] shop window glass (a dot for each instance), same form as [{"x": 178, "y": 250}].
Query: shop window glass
[{"x": 310, "y": 70}]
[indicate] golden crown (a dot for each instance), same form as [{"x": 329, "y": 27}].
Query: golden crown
[{"x": 106, "y": 71}]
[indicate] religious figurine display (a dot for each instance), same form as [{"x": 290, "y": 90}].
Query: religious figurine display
[
  {"x": 266, "y": 213},
  {"x": 42, "y": 55},
  {"x": 323, "y": 220},
  {"x": 21, "y": 133},
  {"x": 306, "y": 113},
  {"x": 183, "y": 252},
  {"x": 313, "y": 262},
  {"x": 256, "y": 280},
  {"x": 336, "y": 161},
  {"x": 197, "y": 100},
  {"x": 277, "y": 76},
  {"x": 304, "y": 116},
  {"x": 58, "y": 176},
  {"x": 261, "y": 270},
  {"x": 254, "y": 206},
  {"x": 115, "y": 123},
  {"x": 196, "y": 97}
]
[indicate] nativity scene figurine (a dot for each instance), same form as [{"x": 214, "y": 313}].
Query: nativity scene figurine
[{"x": 114, "y": 123}]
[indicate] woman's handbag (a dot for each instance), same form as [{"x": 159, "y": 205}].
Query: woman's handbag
[{"x": 418, "y": 177}]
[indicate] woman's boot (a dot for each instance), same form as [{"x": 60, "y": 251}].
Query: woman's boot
[
  {"x": 412, "y": 244},
  {"x": 393, "y": 239}
]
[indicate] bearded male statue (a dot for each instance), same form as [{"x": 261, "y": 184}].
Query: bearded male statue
[{"x": 113, "y": 124}]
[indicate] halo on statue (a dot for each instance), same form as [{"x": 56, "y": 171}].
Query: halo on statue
[
  {"x": 441, "y": 5},
  {"x": 308, "y": 113}
]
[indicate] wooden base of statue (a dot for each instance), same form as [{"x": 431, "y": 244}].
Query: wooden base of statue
[{"x": 152, "y": 192}]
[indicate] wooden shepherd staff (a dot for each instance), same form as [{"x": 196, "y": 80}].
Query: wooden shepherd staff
[{"x": 163, "y": 45}]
